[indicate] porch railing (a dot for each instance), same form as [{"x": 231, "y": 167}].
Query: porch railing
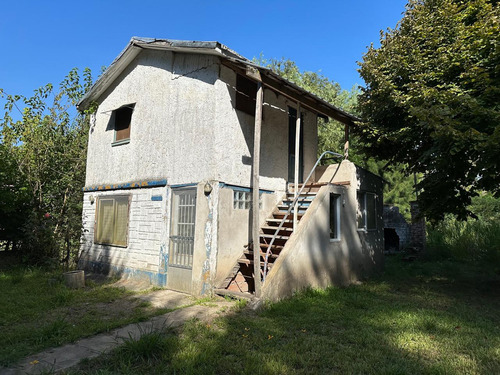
[{"x": 295, "y": 200}]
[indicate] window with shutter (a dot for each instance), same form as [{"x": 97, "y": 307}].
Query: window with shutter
[
  {"x": 112, "y": 216},
  {"x": 122, "y": 119}
]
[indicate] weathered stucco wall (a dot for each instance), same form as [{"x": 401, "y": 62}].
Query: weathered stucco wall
[
  {"x": 311, "y": 259},
  {"x": 234, "y": 138},
  {"x": 185, "y": 127},
  {"x": 171, "y": 133}
]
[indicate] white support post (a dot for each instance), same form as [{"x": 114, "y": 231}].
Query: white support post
[
  {"x": 255, "y": 189},
  {"x": 297, "y": 163}
]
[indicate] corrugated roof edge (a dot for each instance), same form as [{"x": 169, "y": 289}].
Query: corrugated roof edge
[{"x": 223, "y": 51}]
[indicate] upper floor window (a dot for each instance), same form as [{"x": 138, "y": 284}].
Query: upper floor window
[
  {"x": 367, "y": 211},
  {"x": 246, "y": 92},
  {"x": 122, "y": 117}
]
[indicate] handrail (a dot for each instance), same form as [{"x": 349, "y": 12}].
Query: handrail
[{"x": 295, "y": 200}]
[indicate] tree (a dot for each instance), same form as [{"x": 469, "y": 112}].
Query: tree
[
  {"x": 432, "y": 100},
  {"x": 46, "y": 151}
]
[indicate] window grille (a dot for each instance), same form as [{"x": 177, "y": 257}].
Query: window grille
[{"x": 182, "y": 228}]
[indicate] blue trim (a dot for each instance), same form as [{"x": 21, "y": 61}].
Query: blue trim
[
  {"x": 154, "y": 278},
  {"x": 156, "y": 198},
  {"x": 243, "y": 188},
  {"x": 183, "y": 185},
  {"x": 127, "y": 185}
]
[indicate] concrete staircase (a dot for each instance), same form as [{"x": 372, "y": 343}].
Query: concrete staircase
[{"x": 240, "y": 282}]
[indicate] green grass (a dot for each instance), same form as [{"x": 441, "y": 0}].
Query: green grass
[
  {"x": 37, "y": 311},
  {"x": 416, "y": 318}
]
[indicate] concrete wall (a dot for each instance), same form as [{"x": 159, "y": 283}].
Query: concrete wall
[
  {"x": 235, "y": 229},
  {"x": 394, "y": 219},
  {"x": 310, "y": 258}
]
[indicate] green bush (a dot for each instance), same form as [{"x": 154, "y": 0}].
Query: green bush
[{"x": 470, "y": 240}]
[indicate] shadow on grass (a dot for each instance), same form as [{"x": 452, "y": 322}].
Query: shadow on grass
[{"x": 417, "y": 318}]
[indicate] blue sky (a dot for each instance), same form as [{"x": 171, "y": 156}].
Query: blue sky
[{"x": 43, "y": 40}]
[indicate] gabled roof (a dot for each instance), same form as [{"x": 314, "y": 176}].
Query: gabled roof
[{"x": 229, "y": 57}]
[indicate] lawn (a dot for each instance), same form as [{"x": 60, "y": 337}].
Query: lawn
[
  {"x": 37, "y": 311},
  {"x": 420, "y": 317}
]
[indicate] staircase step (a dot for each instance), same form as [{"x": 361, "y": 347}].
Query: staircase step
[
  {"x": 281, "y": 214},
  {"x": 286, "y": 206},
  {"x": 302, "y": 199},
  {"x": 249, "y": 253},
  {"x": 283, "y": 230},
  {"x": 249, "y": 262},
  {"x": 233, "y": 294},
  {"x": 308, "y": 194},
  {"x": 270, "y": 236},
  {"x": 274, "y": 223},
  {"x": 275, "y": 248},
  {"x": 308, "y": 188}
]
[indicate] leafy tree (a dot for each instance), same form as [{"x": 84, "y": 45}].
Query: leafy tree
[
  {"x": 46, "y": 150},
  {"x": 432, "y": 100}
]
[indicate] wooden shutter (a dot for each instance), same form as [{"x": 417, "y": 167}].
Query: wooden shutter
[
  {"x": 105, "y": 221},
  {"x": 121, "y": 221},
  {"x": 123, "y": 117}
]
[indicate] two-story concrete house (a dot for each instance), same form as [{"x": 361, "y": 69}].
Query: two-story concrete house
[{"x": 195, "y": 154}]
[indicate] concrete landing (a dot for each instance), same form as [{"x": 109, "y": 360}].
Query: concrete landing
[{"x": 67, "y": 356}]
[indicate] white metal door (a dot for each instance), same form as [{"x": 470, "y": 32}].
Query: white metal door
[{"x": 181, "y": 250}]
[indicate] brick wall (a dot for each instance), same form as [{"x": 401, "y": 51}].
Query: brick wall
[
  {"x": 418, "y": 236},
  {"x": 394, "y": 219},
  {"x": 146, "y": 235}
]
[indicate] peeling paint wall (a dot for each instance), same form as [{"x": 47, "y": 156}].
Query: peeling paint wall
[{"x": 146, "y": 234}]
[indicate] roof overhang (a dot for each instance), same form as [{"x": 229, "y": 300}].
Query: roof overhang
[{"x": 230, "y": 58}]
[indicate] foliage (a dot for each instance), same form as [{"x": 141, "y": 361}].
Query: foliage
[
  {"x": 421, "y": 317},
  {"x": 476, "y": 240},
  {"x": 45, "y": 152},
  {"x": 432, "y": 100}
]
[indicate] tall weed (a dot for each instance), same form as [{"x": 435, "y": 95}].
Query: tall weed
[{"x": 470, "y": 240}]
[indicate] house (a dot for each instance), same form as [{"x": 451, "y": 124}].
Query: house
[{"x": 195, "y": 154}]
